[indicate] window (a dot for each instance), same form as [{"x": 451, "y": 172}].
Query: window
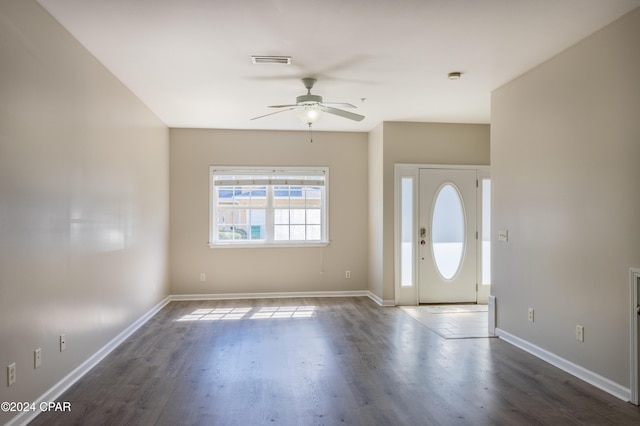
[
  {"x": 406, "y": 231},
  {"x": 258, "y": 207},
  {"x": 486, "y": 231}
]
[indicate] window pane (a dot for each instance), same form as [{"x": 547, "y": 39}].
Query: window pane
[
  {"x": 314, "y": 232},
  {"x": 313, "y": 195},
  {"x": 232, "y": 224},
  {"x": 281, "y": 216},
  {"x": 248, "y": 196},
  {"x": 225, "y": 233},
  {"x": 296, "y": 192},
  {"x": 258, "y": 217},
  {"x": 241, "y": 195},
  {"x": 232, "y": 233},
  {"x": 486, "y": 231},
  {"x": 225, "y": 195},
  {"x": 258, "y": 196},
  {"x": 314, "y": 216},
  {"x": 281, "y": 232},
  {"x": 281, "y": 196},
  {"x": 406, "y": 219},
  {"x": 448, "y": 229},
  {"x": 225, "y": 216},
  {"x": 241, "y": 232},
  {"x": 297, "y": 232},
  {"x": 297, "y": 216}
]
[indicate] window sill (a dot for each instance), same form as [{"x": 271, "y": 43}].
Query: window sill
[{"x": 266, "y": 245}]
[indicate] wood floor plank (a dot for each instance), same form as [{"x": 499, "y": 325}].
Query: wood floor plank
[{"x": 329, "y": 361}]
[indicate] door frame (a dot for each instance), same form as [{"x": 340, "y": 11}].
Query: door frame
[
  {"x": 634, "y": 289},
  {"x": 408, "y": 294}
]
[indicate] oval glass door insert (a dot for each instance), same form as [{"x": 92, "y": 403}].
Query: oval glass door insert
[{"x": 448, "y": 231}]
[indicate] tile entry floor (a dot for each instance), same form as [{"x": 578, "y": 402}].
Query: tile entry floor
[{"x": 453, "y": 321}]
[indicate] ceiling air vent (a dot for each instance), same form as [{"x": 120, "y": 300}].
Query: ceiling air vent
[{"x": 278, "y": 60}]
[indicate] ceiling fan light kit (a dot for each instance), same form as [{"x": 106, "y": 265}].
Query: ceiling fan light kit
[{"x": 309, "y": 114}]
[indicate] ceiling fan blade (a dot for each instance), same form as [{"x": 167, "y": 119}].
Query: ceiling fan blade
[
  {"x": 282, "y": 106},
  {"x": 338, "y": 104},
  {"x": 345, "y": 114},
  {"x": 271, "y": 113}
]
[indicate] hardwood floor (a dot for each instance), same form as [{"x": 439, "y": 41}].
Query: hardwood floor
[{"x": 323, "y": 362}]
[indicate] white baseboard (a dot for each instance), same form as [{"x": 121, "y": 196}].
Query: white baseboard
[
  {"x": 283, "y": 295},
  {"x": 273, "y": 295},
  {"x": 582, "y": 373},
  {"x": 380, "y": 301},
  {"x": 59, "y": 388}
]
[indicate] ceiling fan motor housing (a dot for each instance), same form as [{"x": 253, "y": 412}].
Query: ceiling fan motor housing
[{"x": 309, "y": 99}]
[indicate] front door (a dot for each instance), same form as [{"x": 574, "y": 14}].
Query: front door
[{"x": 447, "y": 236}]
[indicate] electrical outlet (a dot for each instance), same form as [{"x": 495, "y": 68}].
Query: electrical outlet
[
  {"x": 37, "y": 358},
  {"x": 530, "y": 314},
  {"x": 11, "y": 374},
  {"x": 203, "y": 277},
  {"x": 347, "y": 274},
  {"x": 63, "y": 342},
  {"x": 580, "y": 333}
]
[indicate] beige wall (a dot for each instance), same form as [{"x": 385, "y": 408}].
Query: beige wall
[
  {"x": 565, "y": 175},
  {"x": 258, "y": 270},
  {"x": 83, "y": 202},
  {"x": 414, "y": 143}
]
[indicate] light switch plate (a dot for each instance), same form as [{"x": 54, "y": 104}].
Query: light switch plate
[
  {"x": 37, "y": 358},
  {"x": 11, "y": 374},
  {"x": 503, "y": 235}
]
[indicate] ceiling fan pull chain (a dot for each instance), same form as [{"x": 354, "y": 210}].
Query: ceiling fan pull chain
[{"x": 310, "y": 134}]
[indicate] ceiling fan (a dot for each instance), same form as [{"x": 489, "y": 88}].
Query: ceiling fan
[{"x": 311, "y": 106}]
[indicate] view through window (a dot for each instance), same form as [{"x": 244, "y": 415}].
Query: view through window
[{"x": 268, "y": 207}]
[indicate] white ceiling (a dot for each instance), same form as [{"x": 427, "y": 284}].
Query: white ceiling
[{"x": 190, "y": 60}]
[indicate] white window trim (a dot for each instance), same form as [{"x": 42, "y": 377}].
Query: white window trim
[{"x": 216, "y": 244}]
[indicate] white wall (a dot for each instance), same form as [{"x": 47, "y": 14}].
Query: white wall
[
  {"x": 565, "y": 145},
  {"x": 83, "y": 202},
  {"x": 258, "y": 270}
]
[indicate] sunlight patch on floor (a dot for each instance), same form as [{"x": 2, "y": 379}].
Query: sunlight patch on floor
[{"x": 222, "y": 314}]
